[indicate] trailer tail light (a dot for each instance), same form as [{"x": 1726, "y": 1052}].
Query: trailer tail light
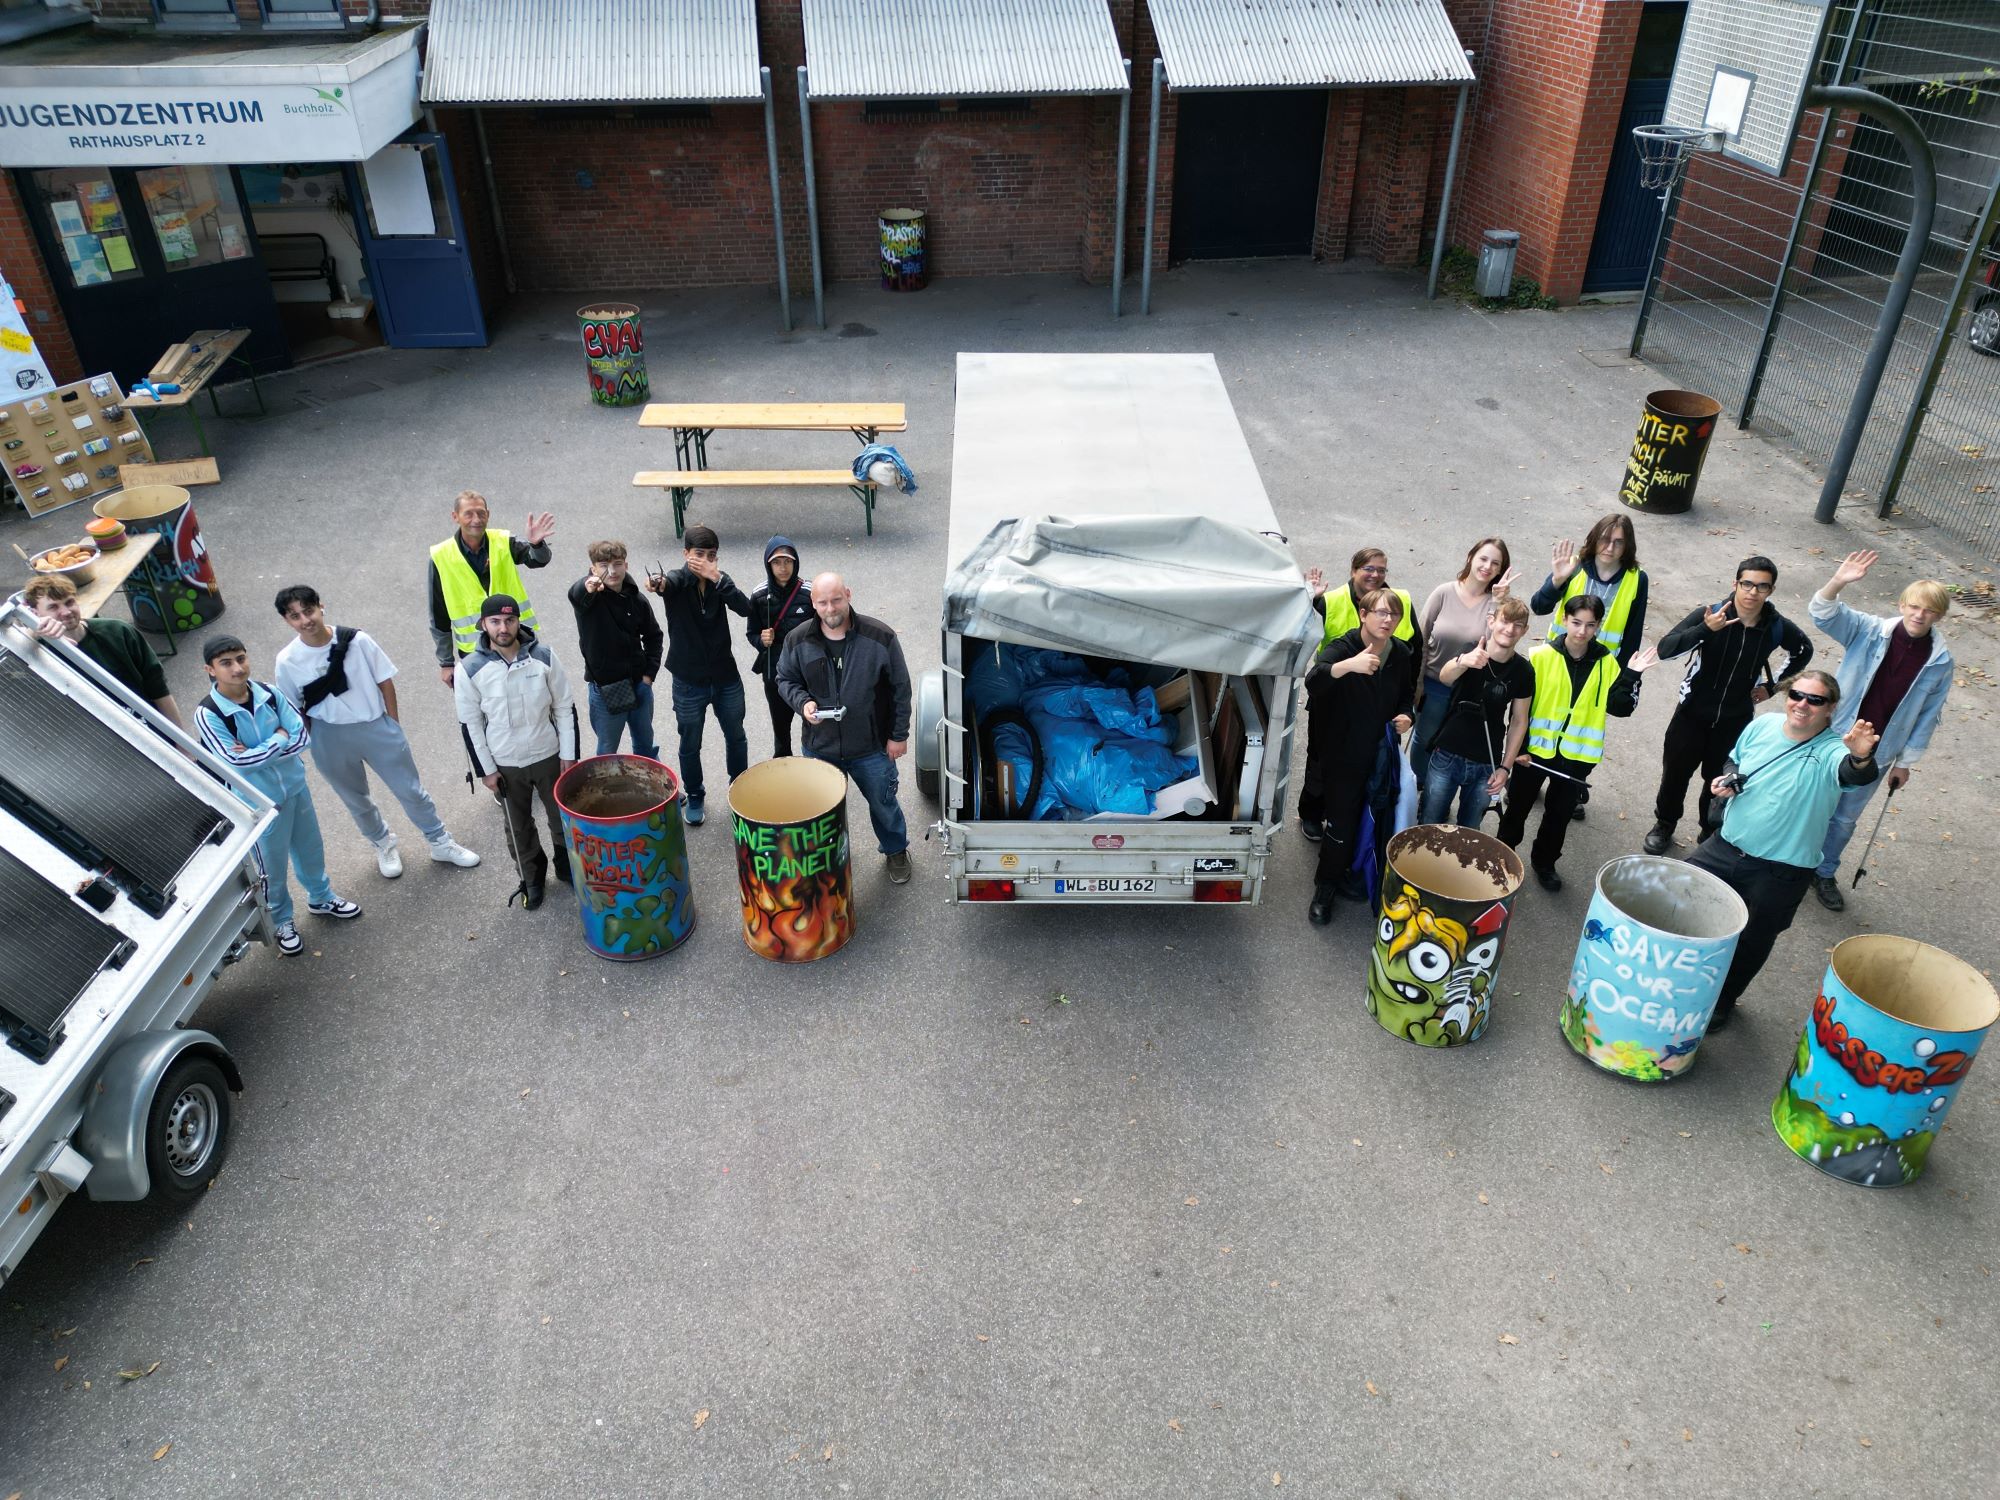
[
  {"x": 989, "y": 890},
  {"x": 1218, "y": 890}
]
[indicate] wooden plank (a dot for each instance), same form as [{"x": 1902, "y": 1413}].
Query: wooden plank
[
  {"x": 744, "y": 478},
  {"x": 182, "y": 471},
  {"x": 778, "y": 416},
  {"x": 217, "y": 344}
]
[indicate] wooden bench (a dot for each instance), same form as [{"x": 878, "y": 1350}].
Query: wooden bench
[
  {"x": 694, "y": 421},
  {"x": 681, "y": 483}
]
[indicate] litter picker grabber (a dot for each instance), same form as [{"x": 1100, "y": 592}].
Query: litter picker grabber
[{"x": 1868, "y": 848}]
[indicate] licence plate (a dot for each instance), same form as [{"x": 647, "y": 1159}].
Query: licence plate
[{"x": 1104, "y": 887}]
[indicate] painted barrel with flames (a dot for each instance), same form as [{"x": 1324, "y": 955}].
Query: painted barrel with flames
[
  {"x": 790, "y": 819},
  {"x": 1892, "y": 1034},
  {"x": 1655, "y": 948},
  {"x": 627, "y": 854},
  {"x": 1446, "y": 895}
]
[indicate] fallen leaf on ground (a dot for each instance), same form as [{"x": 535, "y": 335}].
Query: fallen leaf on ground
[
  {"x": 1867, "y": 1442},
  {"x": 1484, "y": 1199},
  {"x": 1687, "y": 1434},
  {"x": 699, "y": 1418},
  {"x": 1686, "y": 1135},
  {"x": 1605, "y": 1168},
  {"x": 1742, "y": 1249},
  {"x": 138, "y": 1374},
  {"x": 1371, "y": 1388},
  {"x": 1357, "y": 1140},
  {"x": 526, "y": 1092},
  {"x": 1190, "y": 1202},
  {"x": 60, "y": 1363},
  {"x": 1508, "y": 1338},
  {"x": 1276, "y": 1479},
  {"x": 827, "y": 1457},
  {"x": 1175, "y": 1424},
  {"x": 162, "y": 1451},
  {"x": 984, "y": 1339},
  {"x": 144, "y": 1260}
]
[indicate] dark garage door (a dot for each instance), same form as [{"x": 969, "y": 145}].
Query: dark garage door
[{"x": 1246, "y": 173}]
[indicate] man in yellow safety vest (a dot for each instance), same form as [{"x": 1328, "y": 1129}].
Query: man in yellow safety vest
[{"x": 474, "y": 561}]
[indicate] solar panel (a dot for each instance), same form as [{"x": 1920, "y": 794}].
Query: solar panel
[
  {"x": 1744, "y": 68},
  {"x": 50, "y": 949},
  {"x": 93, "y": 793}
]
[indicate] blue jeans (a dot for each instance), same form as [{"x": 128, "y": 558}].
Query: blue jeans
[
  {"x": 611, "y": 727},
  {"x": 1430, "y": 719},
  {"x": 691, "y": 704},
  {"x": 293, "y": 840},
  {"x": 1846, "y": 813},
  {"x": 1454, "y": 774},
  {"x": 876, "y": 776}
]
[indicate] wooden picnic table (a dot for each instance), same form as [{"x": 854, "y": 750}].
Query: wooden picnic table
[
  {"x": 133, "y": 571},
  {"x": 210, "y": 349},
  {"x": 693, "y": 421}
]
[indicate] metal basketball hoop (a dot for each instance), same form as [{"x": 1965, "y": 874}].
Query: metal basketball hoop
[{"x": 1664, "y": 151}]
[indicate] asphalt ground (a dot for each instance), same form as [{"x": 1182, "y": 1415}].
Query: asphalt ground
[{"x": 996, "y": 1201}]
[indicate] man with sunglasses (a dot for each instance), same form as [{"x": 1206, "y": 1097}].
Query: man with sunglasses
[
  {"x": 1780, "y": 787},
  {"x": 1895, "y": 674},
  {"x": 1728, "y": 647},
  {"x": 700, "y": 659}
]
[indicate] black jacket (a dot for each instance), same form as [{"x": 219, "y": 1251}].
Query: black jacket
[
  {"x": 618, "y": 632},
  {"x": 698, "y": 645},
  {"x": 874, "y": 686},
  {"x": 778, "y": 610},
  {"x": 1727, "y": 663},
  {"x": 1345, "y": 716}
]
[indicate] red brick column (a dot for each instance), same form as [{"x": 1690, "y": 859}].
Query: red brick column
[{"x": 21, "y": 259}]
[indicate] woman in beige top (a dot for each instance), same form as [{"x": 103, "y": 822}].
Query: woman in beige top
[{"x": 1454, "y": 620}]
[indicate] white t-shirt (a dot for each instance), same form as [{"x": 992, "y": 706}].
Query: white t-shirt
[{"x": 368, "y": 665}]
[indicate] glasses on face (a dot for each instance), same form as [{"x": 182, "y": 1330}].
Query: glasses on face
[
  {"x": 1755, "y": 587},
  {"x": 1817, "y": 700},
  {"x": 1374, "y": 570},
  {"x": 1383, "y": 614},
  {"x": 708, "y": 552}
]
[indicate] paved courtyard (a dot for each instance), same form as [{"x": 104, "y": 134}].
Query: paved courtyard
[{"x": 1000, "y": 1201}]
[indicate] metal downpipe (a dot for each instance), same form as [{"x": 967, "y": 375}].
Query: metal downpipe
[
  {"x": 777, "y": 204},
  {"x": 1124, "y": 174},
  {"x": 1450, "y": 175},
  {"x": 812, "y": 196},
  {"x": 1152, "y": 183},
  {"x": 493, "y": 199},
  {"x": 1923, "y": 188}
]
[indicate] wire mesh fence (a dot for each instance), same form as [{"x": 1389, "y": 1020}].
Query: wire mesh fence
[{"x": 1720, "y": 273}]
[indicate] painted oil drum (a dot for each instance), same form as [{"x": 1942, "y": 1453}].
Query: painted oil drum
[
  {"x": 790, "y": 820},
  {"x": 904, "y": 266},
  {"x": 177, "y": 576},
  {"x": 1892, "y": 1034},
  {"x": 1655, "y": 948},
  {"x": 1668, "y": 451},
  {"x": 614, "y": 346},
  {"x": 627, "y": 854},
  {"x": 1446, "y": 895}
]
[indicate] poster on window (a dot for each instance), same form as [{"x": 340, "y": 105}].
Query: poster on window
[{"x": 21, "y": 366}]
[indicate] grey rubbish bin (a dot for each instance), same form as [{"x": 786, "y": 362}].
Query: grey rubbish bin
[{"x": 1496, "y": 262}]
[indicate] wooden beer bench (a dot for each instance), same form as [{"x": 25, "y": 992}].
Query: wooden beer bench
[
  {"x": 682, "y": 484},
  {"x": 694, "y": 422}
]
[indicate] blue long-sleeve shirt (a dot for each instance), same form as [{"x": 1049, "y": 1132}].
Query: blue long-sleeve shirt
[{"x": 247, "y": 736}]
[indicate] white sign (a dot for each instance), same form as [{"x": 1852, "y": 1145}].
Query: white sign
[
  {"x": 21, "y": 365},
  {"x": 296, "y": 113}
]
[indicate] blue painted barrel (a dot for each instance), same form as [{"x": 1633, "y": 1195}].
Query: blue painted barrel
[
  {"x": 1892, "y": 1034},
  {"x": 1656, "y": 946},
  {"x": 628, "y": 854}
]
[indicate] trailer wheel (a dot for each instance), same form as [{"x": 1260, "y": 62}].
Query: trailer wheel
[{"x": 187, "y": 1129}]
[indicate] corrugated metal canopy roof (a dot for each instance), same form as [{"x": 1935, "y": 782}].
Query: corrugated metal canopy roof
[
  {"x": 592, "y": 52},
  {"x": 1264, "y": 44},
  {"x": 957, "y": 49}
]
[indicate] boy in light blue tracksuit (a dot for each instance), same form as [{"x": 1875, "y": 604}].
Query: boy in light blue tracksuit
[
  {"x": 1896, "y": 674},
  {"x": 255, "y": 729}
]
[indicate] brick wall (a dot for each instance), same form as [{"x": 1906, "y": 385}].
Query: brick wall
[
  {"x": 21, "y": 259},
  {"x": 1552, "y": 78}
]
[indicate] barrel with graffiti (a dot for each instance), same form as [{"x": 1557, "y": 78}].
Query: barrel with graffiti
[
  {"x": 903, "y": 261},
  {"x": 614, "y": 346},
  {"x": 1668, "y": 451},
  {"x": 176, "y": 584},
  {"x": 790, "y": 818},
  {"x": 1892, "y": 1034},
  {"x": 627, "y": 854},
  {"x": 1446, "y": 895},
  {"x": 1655, "y": 948}
]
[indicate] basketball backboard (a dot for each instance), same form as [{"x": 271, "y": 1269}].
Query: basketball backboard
[{"x": 1743, "y": 69}]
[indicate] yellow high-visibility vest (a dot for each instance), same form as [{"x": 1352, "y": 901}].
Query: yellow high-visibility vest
[
  {"x": 1560, "y": 723},
  {"x": 1342, "y": 616},
  {"x": 464, "y": 593},
  {"x": 1620, "y": 610}
]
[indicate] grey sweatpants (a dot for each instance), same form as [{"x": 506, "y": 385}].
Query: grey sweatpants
[{"x": 343, "y": 751}]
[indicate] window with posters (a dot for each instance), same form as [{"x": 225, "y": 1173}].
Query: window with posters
[
  {"x": 195, "y": 214},
  {"x": 83, "y": 208}
]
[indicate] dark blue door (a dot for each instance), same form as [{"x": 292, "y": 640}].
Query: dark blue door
[
  {"x": 1628, "y": 217},
  {"x": 413, "y": 242}
]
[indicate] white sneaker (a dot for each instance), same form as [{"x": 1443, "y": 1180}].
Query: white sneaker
[
  {"x": 290, "y": 944},
  {"x": 387, "y": 860},
  {"x": 448, "y": 851}
]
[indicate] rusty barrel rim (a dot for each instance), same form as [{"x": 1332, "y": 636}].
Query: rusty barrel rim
[
  {"x": 571, "y": 779},
  {"x": 608, "y": 312}
]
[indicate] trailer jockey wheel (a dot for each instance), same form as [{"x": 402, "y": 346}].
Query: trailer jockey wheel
[
  {"x": 1982, "y": 329},
  {"x": 187, "y": 1130}
]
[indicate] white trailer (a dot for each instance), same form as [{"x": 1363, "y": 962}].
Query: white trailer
[
  {"x": 1107, "y": 505},
  {"x": 128, "y": 878}
]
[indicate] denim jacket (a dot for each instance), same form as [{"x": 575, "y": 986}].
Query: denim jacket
[
  {"x": 246, "y": 735},
  {"x": 1866, "y": 639}
]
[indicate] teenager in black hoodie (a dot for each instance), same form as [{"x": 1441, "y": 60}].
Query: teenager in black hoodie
[{"x": 785, "y": 601}]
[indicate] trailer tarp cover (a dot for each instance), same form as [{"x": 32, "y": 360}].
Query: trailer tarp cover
[{"x": 1108, "y": 504}]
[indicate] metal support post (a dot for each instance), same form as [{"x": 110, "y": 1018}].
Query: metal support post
[
  {"x": 493, "y": 199},
  {"x": 1747, "y": 407},
  {"x": 1669, "y": 211},
  {"x": 1450, "y": 173},
  {"x": 1152, "y": 183},
  {"x": 777, "y": 203},
  {"x": 812, "y": 195},
  {"x": 1124, "y": 153},
  {"x": 1923, "y": 190},
  {"x": 1913, "y": 420}
]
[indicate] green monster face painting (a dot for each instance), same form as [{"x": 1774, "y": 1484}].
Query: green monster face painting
[{"x": 1428, "y": 978}]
